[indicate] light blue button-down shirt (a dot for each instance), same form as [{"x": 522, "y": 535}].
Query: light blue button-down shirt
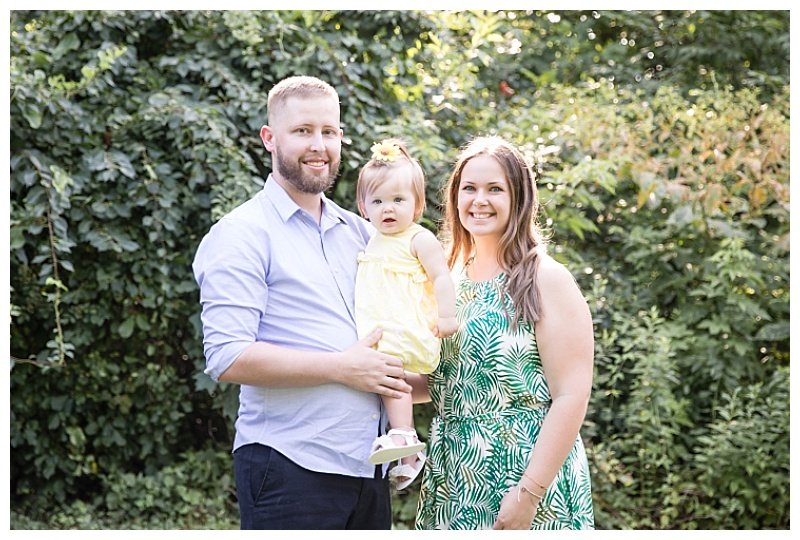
[{"x": 268, "y": 272}]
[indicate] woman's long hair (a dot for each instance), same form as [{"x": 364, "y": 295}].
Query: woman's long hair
[{"x": 522, "y": 243}]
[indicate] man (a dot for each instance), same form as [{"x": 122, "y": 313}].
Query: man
[{"x": 277, "y": 278}]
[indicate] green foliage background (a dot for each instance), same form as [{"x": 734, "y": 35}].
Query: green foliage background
[{"x": 661, "y": 141}]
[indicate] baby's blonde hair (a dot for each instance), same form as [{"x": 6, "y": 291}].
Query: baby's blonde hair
[{"x": 377, "y": 171}]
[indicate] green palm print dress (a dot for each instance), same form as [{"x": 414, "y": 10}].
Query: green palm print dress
[{"x": 491, "y": 398}]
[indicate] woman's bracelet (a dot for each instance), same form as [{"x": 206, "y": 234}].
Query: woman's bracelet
[
  {"x": 521, "y": 488},
  {"x": 543, "y": 488}
]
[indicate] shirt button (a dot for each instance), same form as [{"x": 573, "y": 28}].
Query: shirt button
[{"x": 375, "y": 416}]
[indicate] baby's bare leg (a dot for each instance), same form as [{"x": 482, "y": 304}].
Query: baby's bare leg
[{"x": 401, "y": 416}]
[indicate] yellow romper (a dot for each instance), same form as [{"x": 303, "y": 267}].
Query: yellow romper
[{"x": 394, "y": 292}]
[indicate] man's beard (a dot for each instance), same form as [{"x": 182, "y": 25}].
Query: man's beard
[{"x": 313, "y": 184}]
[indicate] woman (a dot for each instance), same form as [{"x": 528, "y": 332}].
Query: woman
[{"x": 513, "y": 384}]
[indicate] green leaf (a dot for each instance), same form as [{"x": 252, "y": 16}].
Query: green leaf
[
  {"x": 69, "y": 42},
  {"x": 126, "y": 328},
  {"x": 777, "y": 331},
  {"x": 33, "y": 115},
  {"x": 61, "y": 180},
  {"x": 159, "y": 99}
]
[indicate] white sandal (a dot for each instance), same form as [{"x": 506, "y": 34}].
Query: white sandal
[
  {"x": 385, "y": 450},
  {"x": 408, "y": 473}
]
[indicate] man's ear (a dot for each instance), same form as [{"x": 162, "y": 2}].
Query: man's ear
[{"x": 267, "y": 138}]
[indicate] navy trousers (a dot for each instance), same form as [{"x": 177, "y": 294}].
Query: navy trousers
[{"x": 275, "y": 493}]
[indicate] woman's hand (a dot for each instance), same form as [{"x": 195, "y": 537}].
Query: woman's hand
[{"x": 517, "y": 510}]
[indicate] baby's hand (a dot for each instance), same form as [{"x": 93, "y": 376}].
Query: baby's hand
[{"x": 446, "y": 326}]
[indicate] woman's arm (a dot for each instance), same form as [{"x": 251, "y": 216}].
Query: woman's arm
[{"x": 565, "y": 339}]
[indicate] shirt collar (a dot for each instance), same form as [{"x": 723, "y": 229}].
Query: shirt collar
[{"x": 286, "y": 207}]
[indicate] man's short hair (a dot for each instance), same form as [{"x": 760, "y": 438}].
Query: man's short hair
[{"x": 301, "y": 86}]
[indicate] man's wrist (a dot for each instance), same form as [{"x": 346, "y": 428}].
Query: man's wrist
[{"x": 336, "y": 369}]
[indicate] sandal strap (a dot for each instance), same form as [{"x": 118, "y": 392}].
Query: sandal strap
[
  {"x": 381, "y": 441},
  {"x": 386, "y": 440},
  {"x": 403, "y": 433},
  {"x": 408, "y": 472},
  {"x": 399, "y": 465}
]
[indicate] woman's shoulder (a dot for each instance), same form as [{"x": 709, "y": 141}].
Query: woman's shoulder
[{"x": 553, "y": 273}]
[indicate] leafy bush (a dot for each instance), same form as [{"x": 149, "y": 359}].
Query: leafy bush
[
  {"x": 195, "y": 493},
  {"x": 743, "y": 459}
]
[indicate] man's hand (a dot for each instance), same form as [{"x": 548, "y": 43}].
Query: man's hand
[{"x": 364, "y": 368}]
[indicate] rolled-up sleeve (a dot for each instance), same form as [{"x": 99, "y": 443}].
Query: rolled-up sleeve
[{"x": 230, "y": 267}]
